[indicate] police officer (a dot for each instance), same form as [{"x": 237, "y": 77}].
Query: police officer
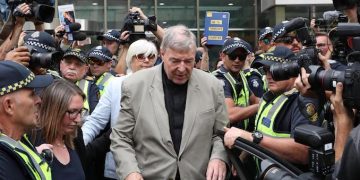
[
  {"x": 256, "y": 80},
  {"x": 240, "y": 101},
  {"x": 281, "y": 110},
  {"x": 100, "y": 64},
  {"x": 19, "y": 112},
  {"x": 73, "y": 67},
  {"x": 265, "y": 36}
]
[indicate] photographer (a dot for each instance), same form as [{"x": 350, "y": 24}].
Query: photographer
[
  {"x": 347, "y": 142},
  {"x": 129, "y": 37}
]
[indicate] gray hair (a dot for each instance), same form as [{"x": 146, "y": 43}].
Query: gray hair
[
  {"x": 178, "y": 37},
  {"x": 141, "y": 46}
]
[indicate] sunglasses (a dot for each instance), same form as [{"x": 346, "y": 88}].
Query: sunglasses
[
  {"x": 266, "y": 41},
  {"x": 142, "y": 57},
  {"x": 99, "y": 63},
  {"x": 287, "y": 39},
  {"x": 240, "y": 56}
]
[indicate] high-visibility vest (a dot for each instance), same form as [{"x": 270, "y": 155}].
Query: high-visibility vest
[
  {"x": 103, "y": 81},
  {"x": 35, "y": 165},
  {"x": 241, "y": 98},
  {"x": 267, "y": 113},
  {"x": 251, "y": 71},
  {"x": 83, "y": 84}
]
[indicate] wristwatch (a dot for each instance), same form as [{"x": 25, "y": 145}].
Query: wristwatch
[{"x": 257, "y": 137}]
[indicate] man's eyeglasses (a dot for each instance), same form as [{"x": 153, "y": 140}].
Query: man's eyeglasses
[
  {"x": 142, "y": 57},
  {"x": 99, "y": 63},
  {"x": 287, "y": 39},
  {"x": 73, "y": 114},
  {"x": 240, "y": 56}
]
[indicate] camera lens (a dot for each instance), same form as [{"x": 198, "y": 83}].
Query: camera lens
[
  {"x": 329, "y": 78},
  {"x": 284, "y": 71}
]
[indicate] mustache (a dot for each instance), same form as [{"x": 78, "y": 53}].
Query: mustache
[{"x": 70, "y": 71}]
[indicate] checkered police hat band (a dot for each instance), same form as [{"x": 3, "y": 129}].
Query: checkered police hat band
[
  {"x": 276, "y": 34},
  {"x": 40, "y": 45},
  {"x": 236, "y": 45},
  {"x": 83, "y": 58},
  {"x": 100, "y": 54},
  {"x": 262, "y": 36},
  {"x": 18, "y": 85},
  {"x": 275, "y": 59},
  {"x": 108, "y": 35}
]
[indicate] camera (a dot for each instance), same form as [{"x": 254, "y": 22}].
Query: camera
[
  {"x": 41, "y": 10},
  {"x": 137, "y": 26},
  {"x": 44, "y": 60},
  {"x": 330, "y": 19},
  {"x": 321, "y": 155}
]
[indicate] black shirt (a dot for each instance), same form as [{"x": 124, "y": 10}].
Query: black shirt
[
  {"x": 72, "y": 170},
  {"x": 175, "y": 102}
]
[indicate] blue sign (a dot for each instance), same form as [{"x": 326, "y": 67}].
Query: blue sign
[{"x": 216, "y": 27}]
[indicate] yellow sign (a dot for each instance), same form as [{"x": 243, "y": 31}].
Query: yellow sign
[
  {"x": 216, "y": 22},
  {"x": 208, "y": 14},
  {"x": 216, "y": 28},
  {"x": 214, "y": 37}
]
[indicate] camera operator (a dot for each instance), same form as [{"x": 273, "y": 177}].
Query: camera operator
[
  {"x": 279, "y": 113},
  {"x": 126, "y": 35},
  {"x": 347, "y": 142}
]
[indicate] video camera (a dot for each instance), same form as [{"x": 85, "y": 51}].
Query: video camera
[
  {"x": 72, "y": 30},
  {"x": 137, "y": 26},
  {"x": 41, "y": 10},
  {"x": 321, "y": 155},
  {"x": 304, "y": 58},
  {"x": 330, "y": 19}
]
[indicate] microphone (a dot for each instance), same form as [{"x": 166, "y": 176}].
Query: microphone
[
  {"x": 69, "y": 28},
  {"x": 72, "y": 27},
  {"x": 331, "y": 16},
  {"x": 78, "y": 36}
]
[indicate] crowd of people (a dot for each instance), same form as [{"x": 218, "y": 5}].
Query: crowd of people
[{"x": 152, "y": 109}]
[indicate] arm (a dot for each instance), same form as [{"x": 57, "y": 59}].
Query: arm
[
  {"x": 12, "y": 40},
  {"x": 285, "y": 148},
  {"x": 93, "y": 98},
  {"x": 343, "y": 121},
  {"x": 121, "y": 65},
  {"x": 237, "y": 113},
  {"x": 205, "y": 56},
  {"x": 99, "y": 118},
  {"x": 218, "y": 159},
  {"x": 122, "y": 141}
]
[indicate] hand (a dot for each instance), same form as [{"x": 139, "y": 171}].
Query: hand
[
  {"x": 23, "y": 9},
  {"x": 20, "y": 55},
  {"x": 134, "y": 176},
  {"x": 233, "y": 133},
  {"x": 59, "y": 29},
  {"x": 216, "y": 170},
  {"x": 302, "y": 84},
  {"x": 337, "y": 103},
  {"x": 136, "y": 9},
  {"x": 203, "y": 43},
  {"x": 43, "y": 147}
]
